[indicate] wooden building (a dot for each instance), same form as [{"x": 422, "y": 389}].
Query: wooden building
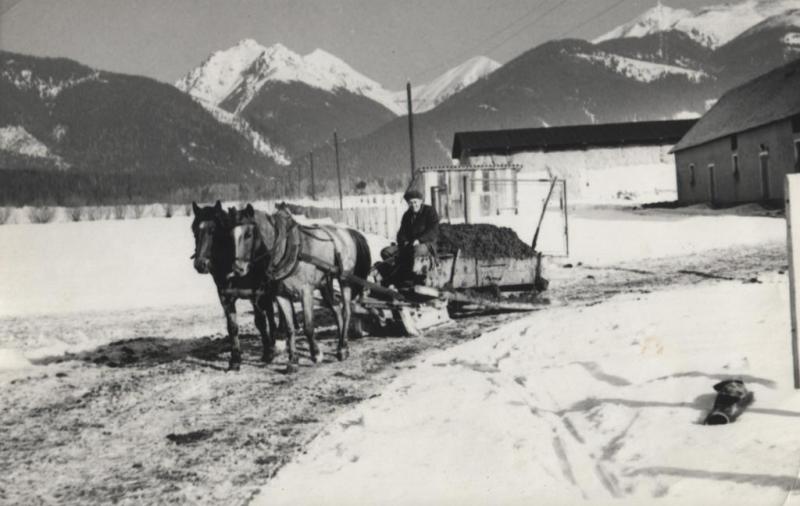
[
  {"x": 743, "y": 147},
  {"x": 599, "y": 162}
]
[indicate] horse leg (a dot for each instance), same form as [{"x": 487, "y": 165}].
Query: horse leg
[
  {"x": 287, "y": 310},
  {"x": 344, "y": 348},
  {"x": 229, "y": 305},
  {"x": 330, "y": 299},
  {"x": 263, "y": 311},
  {"x": 308, "y": 322}
]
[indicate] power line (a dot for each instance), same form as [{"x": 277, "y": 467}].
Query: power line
[
  {"x": 587, "y": 21},
  {"x": 7, "y": 5},
  {"x": 477, "y": 44},
  {"x": 539, "y": 18}
]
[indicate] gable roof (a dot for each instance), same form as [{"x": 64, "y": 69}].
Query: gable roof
[
  {"x": 642, "y": 133},
  {"x": 774, "y": 96}
]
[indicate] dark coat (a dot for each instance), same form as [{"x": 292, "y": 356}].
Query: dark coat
[{"x": 422, "y": 226}]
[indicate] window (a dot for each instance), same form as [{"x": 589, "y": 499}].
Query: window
[
  {"x": 734, "y": 142},
  {"x": 735, "y": 164},
  {"x": 692, "y": 180},
  {"x": 486, "y": 185},
  {"x": 796, "y": 124}
]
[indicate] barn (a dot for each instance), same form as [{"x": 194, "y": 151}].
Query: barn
[
  {"x": 601, "y": 163},
  {"x": 743, "y": 147}
]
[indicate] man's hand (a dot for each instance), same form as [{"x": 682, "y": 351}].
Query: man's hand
[{"x": 416, "y": 242}]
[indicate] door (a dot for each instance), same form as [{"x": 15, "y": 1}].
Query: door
[
  {"x": 764, "y": 163},
  {"x": 712, "y": 187}
]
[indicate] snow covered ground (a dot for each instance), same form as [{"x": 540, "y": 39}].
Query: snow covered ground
[
  {"x": 570, "y": 404},
  {"x": 577, "y": 404},
  {"x": 58, "y": 270}
]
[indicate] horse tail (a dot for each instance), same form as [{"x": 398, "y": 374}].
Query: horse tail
[{"x": 363, "y": 258}]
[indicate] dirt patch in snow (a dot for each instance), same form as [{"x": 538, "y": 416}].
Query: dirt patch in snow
[{"x": 156, "y": 419}]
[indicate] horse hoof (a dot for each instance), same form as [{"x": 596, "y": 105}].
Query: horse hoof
[
  {"x": 343, "y": 354},
  {"x": 267, "y": 358},
  {"x": 291, "y": 368},
  {"x": 234, "y": 366},
  {"x": 316, "y": 357}
]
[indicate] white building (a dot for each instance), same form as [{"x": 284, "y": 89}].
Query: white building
[{"x": 600, "y": 163}]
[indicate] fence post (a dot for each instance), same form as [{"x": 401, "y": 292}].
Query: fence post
[{"x": 792, "y": 189}]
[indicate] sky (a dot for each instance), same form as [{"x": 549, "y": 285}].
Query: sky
[{"x": 391, "y": 41}]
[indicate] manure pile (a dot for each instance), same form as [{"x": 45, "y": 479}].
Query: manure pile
[{"x": 482, "y": 241}]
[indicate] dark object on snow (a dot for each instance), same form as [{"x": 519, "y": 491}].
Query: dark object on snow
[
  {"x": 482, "y": 241},
  {"x": 732, "y": 398},
  {"x": 190, "y": 437}
]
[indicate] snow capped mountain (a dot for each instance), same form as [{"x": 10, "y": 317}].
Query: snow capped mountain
[
  {"x": 245, "y": 68},
  {"x": 216, "y": 77},
  {"x": 711, "y": 26},
  {"x": 235, "y": 76},
  {"x": 428, "y": 96},
  {"x": 640, "y": 70},
  {"x": 660, "y": 18}
]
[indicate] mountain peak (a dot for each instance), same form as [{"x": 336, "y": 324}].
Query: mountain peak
[
  {"x": 428, "y": 96},
  {"x": 711, "y": 26}
]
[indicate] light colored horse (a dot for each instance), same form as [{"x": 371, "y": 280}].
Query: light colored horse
[{"x": 300, "y": 259}]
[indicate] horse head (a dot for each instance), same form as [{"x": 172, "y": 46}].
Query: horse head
[
  {"x": 253, "y": 238},
  {"x": 211, "y": 226}
]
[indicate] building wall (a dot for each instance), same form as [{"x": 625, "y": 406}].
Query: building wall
[
  {"x": 477, "y": 192},
  {"x": 782, "y": 155},
  {"x": 600, "y": 175}
]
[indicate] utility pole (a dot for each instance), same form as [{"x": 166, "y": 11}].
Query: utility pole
[
  {"x": 338, "y": 172},
  {"x": 410, "y": 128},
  {"x": 311, "y": 165}
]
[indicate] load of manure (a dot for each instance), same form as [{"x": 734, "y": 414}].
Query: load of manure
[{"x": 482, "y": 241}]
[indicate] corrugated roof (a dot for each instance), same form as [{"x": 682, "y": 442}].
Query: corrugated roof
[
  {"x": 642, "y": 133},
  {"x": 771, "y": 97}
]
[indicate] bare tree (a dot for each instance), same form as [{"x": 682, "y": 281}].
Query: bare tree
[{"x": 41, "y": 214}]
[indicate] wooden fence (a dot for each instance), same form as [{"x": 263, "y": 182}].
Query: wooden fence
[{"x": 379, "y": 220}]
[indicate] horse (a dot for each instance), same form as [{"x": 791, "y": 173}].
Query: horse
[
  {"x": 301, "y": 259},
  {"x": 214, "y": 254}
]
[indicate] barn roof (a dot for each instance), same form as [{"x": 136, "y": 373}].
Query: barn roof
[
  {"x": 771, "y": 97},
  {"x": 642, "y": 133}
]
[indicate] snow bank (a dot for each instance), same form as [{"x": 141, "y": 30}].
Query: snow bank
[{"x": 597, "y": 404}]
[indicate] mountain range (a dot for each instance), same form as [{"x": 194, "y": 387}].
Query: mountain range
[
  {"x": 72, "y": 133},
  {"x": 297, "y": 101},
  {"x": 269, "y": 106}
]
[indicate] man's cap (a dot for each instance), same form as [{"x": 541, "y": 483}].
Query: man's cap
[{"x": 412, "y": 194}]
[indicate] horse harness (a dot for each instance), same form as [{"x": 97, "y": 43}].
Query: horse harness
[{"x": 287, "y": 252}]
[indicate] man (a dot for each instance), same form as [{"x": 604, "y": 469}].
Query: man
[
  {"x": 420, "y": 223},
  {"x": 419, "y": 229}
]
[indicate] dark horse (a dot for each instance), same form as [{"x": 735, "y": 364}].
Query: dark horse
[
  {"x": 300, "y": 259},
  {"x": 214, "y": 253}
]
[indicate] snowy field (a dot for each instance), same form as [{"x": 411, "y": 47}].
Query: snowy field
[
  {"x": 95, "y": 269},
  {"x": 575, "y": 403}
]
